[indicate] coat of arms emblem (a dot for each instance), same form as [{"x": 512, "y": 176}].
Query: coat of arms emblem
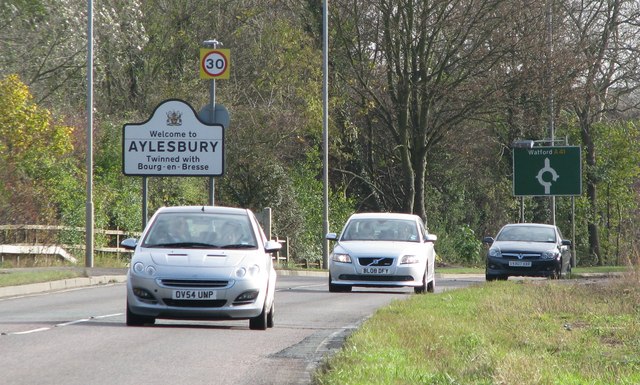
[{"x": 174, "y": 118}]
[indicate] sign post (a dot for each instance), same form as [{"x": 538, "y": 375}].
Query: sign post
[{"x": 214, "y": 64}]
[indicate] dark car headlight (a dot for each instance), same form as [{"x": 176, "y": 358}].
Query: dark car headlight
[
  {"x": 551, "y": 254},
  {"x": 341, "y": 257},
  {"x": 495, "y": 253}
]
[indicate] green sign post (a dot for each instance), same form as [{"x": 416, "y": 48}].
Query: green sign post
[{"x": 547, "y": 171}]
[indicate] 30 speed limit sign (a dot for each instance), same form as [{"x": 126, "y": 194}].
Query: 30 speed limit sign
[{"x": 214, "y": 63}]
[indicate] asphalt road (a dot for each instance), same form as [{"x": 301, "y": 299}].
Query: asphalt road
[{"x": 78, "y": 336}]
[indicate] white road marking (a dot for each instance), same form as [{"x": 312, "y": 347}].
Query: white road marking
[
  {"x": 63, "y": 324},
  {"x": 28, "y": 331}
]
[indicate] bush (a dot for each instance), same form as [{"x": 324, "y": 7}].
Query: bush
[{"x": 459, "y": 247}]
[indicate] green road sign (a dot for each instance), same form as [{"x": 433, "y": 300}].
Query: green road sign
[{"x": 547, "y": 171}]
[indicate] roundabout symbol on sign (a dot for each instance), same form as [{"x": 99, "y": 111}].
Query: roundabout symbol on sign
[{"x": 214, "y": 63}]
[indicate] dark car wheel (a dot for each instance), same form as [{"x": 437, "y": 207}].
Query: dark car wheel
[
  {"x": 420, "y": 289},
  {"x": 260, "y": 321},
  {"x": 333, "y": 288},
  {"x": 138, "y": 320},
  {"x": 431, "y": 286},
  {"x": 271, "y": 315},
  {"x": 490, "y": 277},
  {"x": 425, "y": 287}
]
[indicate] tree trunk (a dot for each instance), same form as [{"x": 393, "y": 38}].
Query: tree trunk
[
  {"x": 591, "y": 179},
  {"x": 419, "y": 205}
]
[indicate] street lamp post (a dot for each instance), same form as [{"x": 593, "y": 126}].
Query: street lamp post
[
  {"x": 89, "y": 199},
  {"x": 325, "y": 130}
]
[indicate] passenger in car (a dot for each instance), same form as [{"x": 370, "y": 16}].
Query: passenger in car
[
  {"x": 366, "y": 231},
  {"x": 171, "y": 232},
  {"x": 232, "y": 234},
  {"x": 407, "y": 232},
  {"x": 180, "y": 231}
]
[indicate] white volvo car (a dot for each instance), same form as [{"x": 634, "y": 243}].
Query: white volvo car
[{"x": 383, "y": 250}]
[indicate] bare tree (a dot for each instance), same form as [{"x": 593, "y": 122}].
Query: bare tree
[
  {"x": 606, "y": 37},
  {"x": 417, "y": 70},
  {"x": 44, "y": 43}
]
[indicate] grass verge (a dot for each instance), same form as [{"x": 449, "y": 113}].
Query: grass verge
[
  {"x": 15, "y": 277},
  {"x": 575, "y": 270},
  {"x": 511, "y": 332}
]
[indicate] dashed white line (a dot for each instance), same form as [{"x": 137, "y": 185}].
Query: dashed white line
[
  {"x": 28, "y": 331},
  {"x": 62, "y": 324}
]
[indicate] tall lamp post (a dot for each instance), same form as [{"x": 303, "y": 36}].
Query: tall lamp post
[
  {"x": 325, "y": 131},
  {"x": 89, "y": 199}
]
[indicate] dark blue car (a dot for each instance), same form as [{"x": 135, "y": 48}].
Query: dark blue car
[{"x": 528, "y": 249}]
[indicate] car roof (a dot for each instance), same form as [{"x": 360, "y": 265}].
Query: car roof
[
  {"x": 201, "y": 209},
  {"x": 384, "y": 216},
  {"x": 529, "y": 225}
]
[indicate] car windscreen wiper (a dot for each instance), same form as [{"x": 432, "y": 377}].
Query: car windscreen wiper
[
  {"x": 186, "y": 245},
  {"x": 238, "y": 246}
]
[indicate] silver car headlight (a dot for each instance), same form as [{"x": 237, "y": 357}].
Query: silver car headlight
[
  {"x": 551, "y": 254},
  {"x": 251, "y": 271},
  {"x": 495, "y": 253},
  {"x": 409, "y": 259},
  {"x": 140, "y": 268},
  {"x": 241, "y": 272},
  {"x": 340, "y": 257},
  {"x": 254, "y": 270}
]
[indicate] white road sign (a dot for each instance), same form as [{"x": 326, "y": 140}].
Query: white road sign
[{"x": 173, "y": 142}]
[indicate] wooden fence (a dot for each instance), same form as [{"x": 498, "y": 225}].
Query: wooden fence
[{"x": 25, "y": 244}]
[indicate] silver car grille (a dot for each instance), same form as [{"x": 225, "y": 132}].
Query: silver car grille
[
  {"x": 193, "y": 283},
  {"x": 189, "y": 303}
]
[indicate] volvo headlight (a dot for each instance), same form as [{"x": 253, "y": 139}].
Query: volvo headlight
[
  {"x": 339, "y": 257},
  {"x": 409, "y": 259}
]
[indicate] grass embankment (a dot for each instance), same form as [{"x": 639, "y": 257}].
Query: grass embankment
[
  {"x": 512, "y": 332},
  {"x": 23, "y": 277},
  {"x": 576, "y": 270}
]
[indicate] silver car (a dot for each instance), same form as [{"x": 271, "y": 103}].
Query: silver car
[
  {"x": 383, "y": 250},
  {"x": 201, "y": 263}
]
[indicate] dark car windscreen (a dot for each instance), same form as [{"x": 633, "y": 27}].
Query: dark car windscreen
[{"x": 527, "y": 234}]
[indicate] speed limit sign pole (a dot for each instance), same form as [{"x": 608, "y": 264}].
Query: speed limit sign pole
[{"x": 214, "y": 64}]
